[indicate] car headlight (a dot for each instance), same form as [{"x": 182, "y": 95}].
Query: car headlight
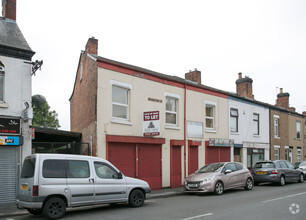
[{"x": 208, "y": 179}]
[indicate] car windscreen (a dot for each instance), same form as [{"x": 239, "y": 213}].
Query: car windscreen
[
  {"x": 214, "y": 167},
  {"x": 28, "y": 168},
  {"x": 264, "y": 165}
]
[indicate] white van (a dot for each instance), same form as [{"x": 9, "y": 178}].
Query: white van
[{"x": 51, "y": 182}]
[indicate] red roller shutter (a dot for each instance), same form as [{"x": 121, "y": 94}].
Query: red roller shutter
[
  {"x": 217, "y": 154},
  {"x": 225, "y": 154},
  {"x": 149, "y": 164},
  {"x": 176, "y": 167},
  {"x": 123, "y": 156}
]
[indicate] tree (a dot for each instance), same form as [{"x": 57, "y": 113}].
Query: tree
[{"x": 42, "y": 116}]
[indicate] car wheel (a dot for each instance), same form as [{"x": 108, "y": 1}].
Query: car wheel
[
  {"x": 301, "y": 179},
  {"x": 248, "y": 184},
  {"x": 54, "y": 208},
  {"x": 35, "y": 211},
  {"x": 282, "y": 181},
  {"x": 136, "y": 198},
  {"x": 219, "y": 188}
]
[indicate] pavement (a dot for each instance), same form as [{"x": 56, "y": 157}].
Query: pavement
[{"x": 12, "y": 210}]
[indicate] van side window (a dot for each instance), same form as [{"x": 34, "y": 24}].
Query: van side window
[
  {"x": 54, "y": 169},
  {"x": 104, "y": 171},
  {"x": 78, "y": 169}
]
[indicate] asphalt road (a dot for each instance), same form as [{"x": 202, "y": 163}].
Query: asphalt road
[{"x": 263, "y": 202}]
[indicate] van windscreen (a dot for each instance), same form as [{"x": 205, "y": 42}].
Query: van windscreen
[{"x": 28, "y": 168}]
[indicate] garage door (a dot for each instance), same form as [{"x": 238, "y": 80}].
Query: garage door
[
  {"x": 217, "y": 154},
  {"x": 193, "y": 159},
  {"x": 141, "y": 161},
  {"x": 8, "y": 174},
  {"x": 176, "y": 167}
]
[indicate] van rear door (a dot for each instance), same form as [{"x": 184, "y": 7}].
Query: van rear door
[{"x": 26, "y": 180}]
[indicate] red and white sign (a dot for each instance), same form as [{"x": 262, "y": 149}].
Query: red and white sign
[{"x": 151, "y": 123}]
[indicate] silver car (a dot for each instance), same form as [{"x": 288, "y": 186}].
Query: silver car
[
  {"x": 217, "y": 177},
  {"x": 302, "y": 166},
  {"x": 277, "y": 171},
  {"x": 51, "y": 182}
]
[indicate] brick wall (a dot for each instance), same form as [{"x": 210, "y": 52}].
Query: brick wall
[
  {"x": 244, "y": 86},
  {"x": 194, "y": 76},
  {"x": 83, "y": 102}
]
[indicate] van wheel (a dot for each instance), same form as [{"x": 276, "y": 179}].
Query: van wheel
[
  {"x": 136, "y": 198},
  {"x": 35, "y": 211},
  {"x": 54, "y": 208}
]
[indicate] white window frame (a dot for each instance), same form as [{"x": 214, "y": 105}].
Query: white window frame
[
  {"x": 176, "y": 97},
  {"x": 276, "y": 126},
  {"x": 257, "y": 122},
  {"x": 213, "y": 118},
  {"x": 237, "y": 120},
  {"x": 2, "y": 72},
  {"x": 298, "y": 130},
  {"x": 128, "y": 87}
]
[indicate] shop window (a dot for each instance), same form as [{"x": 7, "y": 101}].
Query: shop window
[{"x": 254, "y": 155}]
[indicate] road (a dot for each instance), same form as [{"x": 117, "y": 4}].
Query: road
[{"x": 263, "y": 202}]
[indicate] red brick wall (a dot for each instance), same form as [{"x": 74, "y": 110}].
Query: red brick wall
[
  {"x": 83, "y": 102},
  {"x": 194, "y": 76}
]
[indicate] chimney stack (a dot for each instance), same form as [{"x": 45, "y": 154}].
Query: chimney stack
[
  {"x": 283, "y": 99},
  {"x": 9, "y": 9},
  {"x": 244, "y": 86},
  {"x": 194, "y": 76},
  {"x": 92, "y": 46}
]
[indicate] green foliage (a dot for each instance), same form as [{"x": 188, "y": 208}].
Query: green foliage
[{"x": 43, "y": 117}]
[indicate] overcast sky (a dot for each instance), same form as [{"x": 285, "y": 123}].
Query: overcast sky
[{"x": 263, "y": 39}]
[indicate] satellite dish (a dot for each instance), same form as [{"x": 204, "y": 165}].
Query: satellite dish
[{"x": 38, "y": 100}]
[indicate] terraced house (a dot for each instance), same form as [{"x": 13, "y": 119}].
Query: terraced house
[{"x": 161, "y": 128}]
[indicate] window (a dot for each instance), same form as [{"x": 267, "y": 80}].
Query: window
[
  {"x": 78, "y": 169},
  {"x": 209, "y": 116},
  {"x": 298, "y": 130},
  {"x": 290, "y": 165},
  {"x": 230, "y": 166},
  {"x": 28, "y": 168},
  {"x": 105, "y": 172},
  {"x": 276, "y": 154},
  {"x": 120, "y": 102},
  {"x": 234, "y": 120},
  {"x": 276, "y": 128},
  {"x": 299, "y": 153},
  {"x": 171, "y": 111},
  {"x": 1, "y": 82},
  {"x": 256, "y": 124},
  {"x": 54, "y": 169}
]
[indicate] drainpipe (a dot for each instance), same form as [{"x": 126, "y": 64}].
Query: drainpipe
[{"x": 185, "y": 147}]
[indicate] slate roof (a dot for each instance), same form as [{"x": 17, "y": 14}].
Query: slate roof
[{"x": 12, "y": 41}]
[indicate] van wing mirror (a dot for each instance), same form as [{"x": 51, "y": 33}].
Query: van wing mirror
[{"x": 120, "y": 175}]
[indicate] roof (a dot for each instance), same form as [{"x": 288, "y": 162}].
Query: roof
[
  {"x": 12, "y": 41},
  {"x": 54, "y": 135}
]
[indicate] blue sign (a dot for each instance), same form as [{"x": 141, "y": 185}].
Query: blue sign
[{"x": 10, "y": 140}]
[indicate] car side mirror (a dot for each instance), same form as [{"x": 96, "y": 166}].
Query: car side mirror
[{"x": 227, "y": 171}]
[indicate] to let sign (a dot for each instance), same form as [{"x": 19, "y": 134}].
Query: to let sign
[
  {"x": 151, "y": 123},
  {"x": 10, "y": 126}
]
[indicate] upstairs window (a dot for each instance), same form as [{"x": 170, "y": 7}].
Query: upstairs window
[
  {"x": 171, "y": 111},
  {"x": 256, "y": 124},
  {"x": 276, "y": 126},
  {"x": 120, "y": 102},
  {"x": 210, "y": 116},
  {"x": 234, "y": 120},
  {"x": 298, "y": 130}
]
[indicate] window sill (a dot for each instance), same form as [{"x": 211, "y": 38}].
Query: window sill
[
  {"x": 256, "y": 135},
  {"x": 119, "y": 121},
  {"x": 210, "y": 131},
  {"x": 234, "y": 133},
  {"x": 276, "y": 137},
  {"x": 3, "y": 105},
  {"x": 172, "y": 127}
]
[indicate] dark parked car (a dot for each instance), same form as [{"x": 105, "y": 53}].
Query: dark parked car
[{"x": 278, "y": 171}]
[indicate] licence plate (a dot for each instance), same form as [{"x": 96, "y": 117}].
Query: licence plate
[
  {"x": 193, "y": 185},
  {"x": 261, "y": 172},
  {"x": 24, "y": 187}
]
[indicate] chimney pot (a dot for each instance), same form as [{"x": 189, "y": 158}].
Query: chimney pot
[{"x": 239, "y": 75}]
